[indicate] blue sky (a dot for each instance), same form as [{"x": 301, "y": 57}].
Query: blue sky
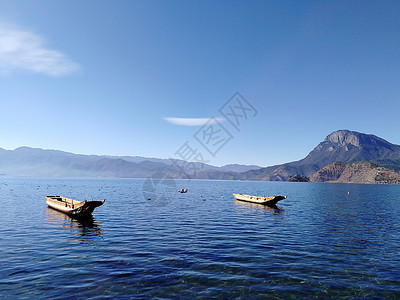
[{"x": 102, "y": 77}]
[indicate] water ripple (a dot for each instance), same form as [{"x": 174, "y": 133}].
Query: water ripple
[{"x": 324, "y": 241}]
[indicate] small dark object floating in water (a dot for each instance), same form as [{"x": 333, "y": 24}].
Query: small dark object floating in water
[
  {"x": 270, "y": 201},
  {"x": 74, "y": 208},
  {"x": 182, "y": 191}
]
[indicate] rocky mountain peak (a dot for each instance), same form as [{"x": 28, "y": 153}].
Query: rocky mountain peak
[
  {"x": 339, "y": 146},
  {"x": 344, "y": 138},
  {"x": 347, "y": 138}
]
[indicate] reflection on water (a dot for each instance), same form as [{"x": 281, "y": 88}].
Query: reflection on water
[
  {"x": 83, "y": 227},
  {"x": 260, "y": 208}
]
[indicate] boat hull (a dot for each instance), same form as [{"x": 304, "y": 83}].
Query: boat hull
[
  {"x": 270, "y": 201},
  {"x": 71, "y": 207}
]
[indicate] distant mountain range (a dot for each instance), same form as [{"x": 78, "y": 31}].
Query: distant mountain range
[
  {"x": 336, "y": 159},
  {"x": 25, "y": 161}
]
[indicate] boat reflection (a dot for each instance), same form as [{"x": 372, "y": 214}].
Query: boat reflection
[
  {"x": 264, "y": 209},
  {"x": 83, "y": 227}
]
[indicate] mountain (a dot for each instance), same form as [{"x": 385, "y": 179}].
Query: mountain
[
  {"x": 342, "y": 146},
  {"x": 25, "y": 161},
  {"x": 164, "y": 161},
  {"x": 200, "y": 166},
  {"x": 339, "y": 146},
  {"x": 357, "y": 172},
  {"x": 238, "y": 168}
]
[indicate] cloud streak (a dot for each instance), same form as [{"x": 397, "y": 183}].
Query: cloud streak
[
  {"x": 23, "y": 50},
  {"x": 193, "y": 121}
]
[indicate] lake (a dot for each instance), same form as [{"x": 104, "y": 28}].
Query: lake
[{"x": 324, "y": 241}]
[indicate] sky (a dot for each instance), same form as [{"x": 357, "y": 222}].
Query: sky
[{"x": 248, "y": 82}]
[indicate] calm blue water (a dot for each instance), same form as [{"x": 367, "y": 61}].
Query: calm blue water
[{"x": 326, "y": 241}]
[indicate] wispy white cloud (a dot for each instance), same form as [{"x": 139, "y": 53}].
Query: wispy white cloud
[
  {"x": 24, "y": 50},
  {"x": 193, "y": 121}
]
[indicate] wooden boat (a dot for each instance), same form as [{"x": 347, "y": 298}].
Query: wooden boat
[
  {"x": 270, "y": 201},
  {"x": 74, "y": 208}
]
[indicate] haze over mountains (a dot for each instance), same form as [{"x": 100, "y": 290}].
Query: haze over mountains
[
  {"x": 340, "y": 146},
  {"x": 25, "y": 161}
]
